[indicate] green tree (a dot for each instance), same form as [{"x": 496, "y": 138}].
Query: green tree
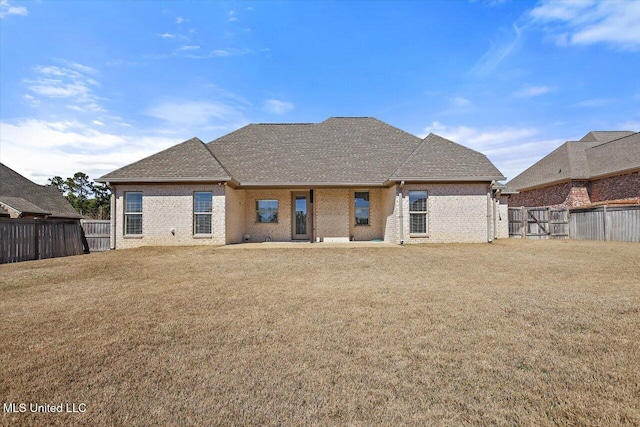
[{"x": 86, "y": 197}]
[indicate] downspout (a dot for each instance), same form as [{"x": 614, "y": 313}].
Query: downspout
[
  {"x": 495, "y": 214},
  {"x": 401, "y": 214},
  {"x": 489, "y": 210},
  {"x": 112, "y": 217}
]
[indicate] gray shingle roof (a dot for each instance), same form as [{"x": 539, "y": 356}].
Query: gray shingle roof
[
  {"x": 337, "y": 151},
  {"x": 605, "y": 136},
  {"x": 33, "y": 198},
  {"x": 584, "y": 159},
  {"x": 189, "y": 160},
  {"x": 3, "y": 212},
  {"x": 437, "y": 158}
]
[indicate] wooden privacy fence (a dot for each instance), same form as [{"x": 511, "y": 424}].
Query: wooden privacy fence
[
  {"x": 97, "y": 233},
  {"x": 538, "y": 223},
  {"x": 28, "y": 239},
  {"x": 608, "y": 223}
]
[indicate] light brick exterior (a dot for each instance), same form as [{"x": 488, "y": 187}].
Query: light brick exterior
[
  {"x": 12, "y": 212},
  {"x": 166, "y": 207},
  {"x": 456, "y": 213}
]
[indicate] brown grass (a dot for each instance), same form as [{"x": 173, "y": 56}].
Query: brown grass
[{"x": 513, "y": 333}]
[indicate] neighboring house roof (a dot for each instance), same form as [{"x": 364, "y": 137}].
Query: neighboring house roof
[
  {"x": 26, "y": 196},
  {"x": 605, "y": 136},
  {"x": 437, "y": 158},
  {"x": 187, "y": 161},
  {"x": 337, "y": 151},
  {"x": 591, "y": 157},
  {"x": 3, "y": 212}
]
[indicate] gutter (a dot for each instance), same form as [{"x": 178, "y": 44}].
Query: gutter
[{"x": 489, "y": 212}]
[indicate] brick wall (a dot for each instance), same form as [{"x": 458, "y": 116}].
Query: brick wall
[
  {"x": 616, "y": 187},
  {"x": 553, "y": 195},
  {"x": 332, "y": 209},
  {"x": 166, "y": 207},
  {"x": 389, "y": 206},
  {"x": 276, "y": 232},
  {"x": 456, "y": 213},
  {"x": 235, "y": 207}
]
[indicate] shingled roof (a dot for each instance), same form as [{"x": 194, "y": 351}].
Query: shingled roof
[
  {"x": 26, "y": 196},
  {"x": 437, "y": 158},
  {"x": 591, "y": 157},
  {"x": 337, "y": 151},
  {"x": 190, "y": 160}
]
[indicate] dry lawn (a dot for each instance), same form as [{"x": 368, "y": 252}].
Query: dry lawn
[{"x": 513, "y": 333}]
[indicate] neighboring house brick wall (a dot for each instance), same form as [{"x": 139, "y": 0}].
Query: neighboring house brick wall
[
  {"x": 167, "y": 206},
  {"x": 276, "y": 232},
  {"x": 332, "y": 212},
  {"x": 235, "y": 214},
  {"x": 456, "y": 213},
  {"x": 375, "y": 228},
  {"x": 625, "y": 186},
  {"x": 553, "y": 195}
]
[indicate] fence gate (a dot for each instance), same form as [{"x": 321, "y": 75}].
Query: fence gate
[
  {"x": 538, "y": 223},
  {"x": 97, "y": 233}
]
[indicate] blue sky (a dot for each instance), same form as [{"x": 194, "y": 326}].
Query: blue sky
[{"x": 91, "y": 86}]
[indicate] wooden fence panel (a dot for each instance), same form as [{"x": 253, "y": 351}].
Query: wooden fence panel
[
  {"x": 28, "y": 239},
  {"x": 538, "y": 223},
  {"x": 610, "y": 223},
  {"x": 98, "y": 234}
]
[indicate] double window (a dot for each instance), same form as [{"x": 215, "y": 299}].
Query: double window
[
  {"x": 418, "y": 223},
  {"x": 133, "y": 213},
  {"x": 361, "y": 207},
  {"x": 202, "y": 212},
  {"x": 267, "y": 211}
]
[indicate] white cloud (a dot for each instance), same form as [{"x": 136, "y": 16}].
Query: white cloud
[
  {"x": 593, "y": 103},
  {"x": 188, "y": 116},
  {"x": 7, "y": 9},
  {"x": 498, "y": 52},
  {"x": 232, "y": 16},
  {"x": 587, "y": 22},
  {"x": 189, "y": 47},
  {"x": 511, "y": 149},
  {"x": 531, "y": 91},
  {"x": 180, "y": 20},
  {"x": 460, "y": 101},
  {"x": 72, "y": 82},
  {"x": 166, "y": 35},
  {"x": 97, "y": 123},
  {"x": 275, "y": 106},
  {"x": 39, "y": 149}
]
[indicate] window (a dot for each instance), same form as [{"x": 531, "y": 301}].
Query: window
[
  {"x": 132, "y": 213},
  {"x": 202, "y": 203},
  {"x": 266, "y": 211},
  {"x": 418, "y": 212},
  {"x": 361, "y": 205}
]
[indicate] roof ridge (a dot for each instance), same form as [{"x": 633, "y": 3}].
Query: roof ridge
[
  {"x": 216, "y": 159},
  {"x": 613, "y": 140},
  {"x": 410, "y": 154}
]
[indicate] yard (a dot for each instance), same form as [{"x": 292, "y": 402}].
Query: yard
[{"x": 513, "y": 333}]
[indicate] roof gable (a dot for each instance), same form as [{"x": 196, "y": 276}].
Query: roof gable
[
  {"x": 27, "y": 196},
  {"x": 190, "y": 160},
  {"x": 605, "y": 136},
  {"x": 584, "y": 159},
  {"x": 438, "y": 158}
]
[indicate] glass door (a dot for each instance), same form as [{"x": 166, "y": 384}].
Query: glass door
[{"x": 300, "y": 218}]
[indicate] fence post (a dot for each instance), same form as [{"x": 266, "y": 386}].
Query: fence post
[
  {"x": 524, "y": 222},
  {"x": 36, "y": 237}
]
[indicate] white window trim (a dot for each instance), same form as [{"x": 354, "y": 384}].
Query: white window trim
[
  {"x": 425, "y": 213},
  {"x": 210, "y": 213},
  {"x": 125, "y": 214}
]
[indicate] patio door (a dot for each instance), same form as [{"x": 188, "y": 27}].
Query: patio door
[{"x": 300, "y": 216}]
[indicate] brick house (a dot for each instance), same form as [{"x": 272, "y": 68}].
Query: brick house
[
  {"x": 23, "y": 198},
  {"x": 602, "y": 166},
  {"x": 344, "y": 179}
]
